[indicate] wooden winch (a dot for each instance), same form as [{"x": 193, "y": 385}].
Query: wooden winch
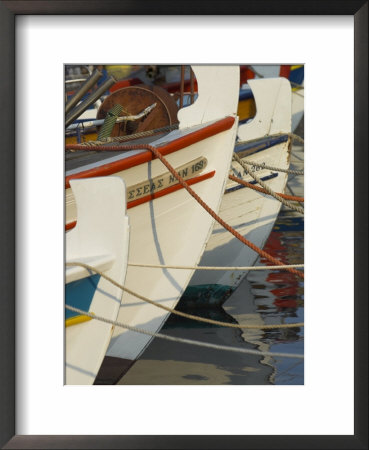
[{"x": 134, "y": 100}]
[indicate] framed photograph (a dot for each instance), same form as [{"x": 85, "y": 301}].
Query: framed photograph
[{"x": 43, "y": 45}]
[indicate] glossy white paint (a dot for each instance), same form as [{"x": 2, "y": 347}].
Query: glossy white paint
[
  {"x": 174, "y": 227},
  {"x": 273, "y": 109},
  {"x": 298, "y": 99},
  {"x": 170, "y": 229},
  {"x": 252, "y": 214},
  {"x": 215, "y": 95},
  {"x": 272, "y": 71},
  {"x": 100, "y": 239}
]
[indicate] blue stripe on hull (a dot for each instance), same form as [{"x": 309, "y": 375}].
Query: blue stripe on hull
[
  {"x": 261, "y": 144},
  {"x": 80, "y": 294},
  {"x": 241, "y": 186}
]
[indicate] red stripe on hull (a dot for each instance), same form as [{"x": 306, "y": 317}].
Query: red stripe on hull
[
  {"x": 159, "y": 194},
  {"x": 171, "y": 147}
]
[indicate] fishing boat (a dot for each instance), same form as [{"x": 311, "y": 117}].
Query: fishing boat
[
  {"x": 246, "y": 102},
  {"x": 247, "y": 107},
  {"x": 266, "y": 142},
  {"x": 168, "y": 78},
  {"x": 163, "y": 79},
  {"x": 167, "y": 225},
  {"x": 100, "y": 239},
  {"x": 295, "y": 75}
]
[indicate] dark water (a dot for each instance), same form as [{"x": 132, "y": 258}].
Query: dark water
[{"x": 264, "y": 297}]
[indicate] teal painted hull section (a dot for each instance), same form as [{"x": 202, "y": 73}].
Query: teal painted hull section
[
  {"x": 205, "y": 295},
  {"x": 80, "y": 294}
]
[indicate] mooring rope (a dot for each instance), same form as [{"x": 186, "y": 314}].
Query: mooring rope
[
  {"x": 168, "y": 128},
  {"x": 277, "y": 169},
  {"x": 199, "y": 200},
  {"x": 85, "y": 145},
  {"x": 215, "y": 215},
  {"x": 265, "y": 186},
  {"x": 180, "y": 313},
  {"x": 296, "y": 137},
  {"x": 183, "y": 340},
  {"x": 259, "y": 189},
  {"x": 168, "y": 266}
]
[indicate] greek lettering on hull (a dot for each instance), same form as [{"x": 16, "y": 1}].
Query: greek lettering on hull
[{"x": 192, "y": 168}]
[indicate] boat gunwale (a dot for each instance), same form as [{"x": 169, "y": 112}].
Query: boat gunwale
[
  {"x": 145, "y": 156},
  {"x": 169, "y": 190}
]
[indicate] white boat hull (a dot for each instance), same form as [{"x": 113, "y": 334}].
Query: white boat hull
[
  {"x": 163, "y": 232},
  {"x": 101, "y": 240},
  {"x": 171, "y": 228},
  {"x": 250, "y": 213},
  {"x": 253, "y": 215}
]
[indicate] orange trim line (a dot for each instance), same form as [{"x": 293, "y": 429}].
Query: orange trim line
[
  {"x": 173, "y": 146},
  {"x": 165, "y": 191}
]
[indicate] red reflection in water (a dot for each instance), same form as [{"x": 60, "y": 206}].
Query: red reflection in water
[{"x": 286, "y": 284}]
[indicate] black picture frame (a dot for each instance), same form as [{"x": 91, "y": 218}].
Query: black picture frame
[{"x": 8, "y": 11}]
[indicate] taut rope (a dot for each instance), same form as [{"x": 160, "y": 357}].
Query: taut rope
[
  {"x": 182, "y": 340},
  {"x": 235, "y": 233},
  {"x": 180, "y": 313}
]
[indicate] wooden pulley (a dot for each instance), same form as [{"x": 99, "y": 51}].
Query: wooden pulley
[{"x": 134, "y": 100}]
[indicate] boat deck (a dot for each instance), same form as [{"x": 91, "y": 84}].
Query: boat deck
[{"x": 76, "y": 159}]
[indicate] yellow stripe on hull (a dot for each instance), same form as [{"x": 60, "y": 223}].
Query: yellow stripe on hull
[
  {"x": 246, "y": 109},
  {"x": 77, "y": 320}
]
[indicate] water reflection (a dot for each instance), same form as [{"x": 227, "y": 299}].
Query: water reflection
[
  {"x": 167, "y": 362},
  {"x": 279, "y": 297},
  {"x": 265, "y": 297}
]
